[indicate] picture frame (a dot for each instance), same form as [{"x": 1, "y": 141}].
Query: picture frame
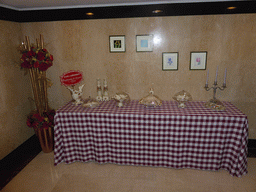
[
  {"x": 144, "y": 43},
  {"x": 117, "y": 44},
  {"x": 170, "y": 61},
  {"x": 198, "y": 60}
]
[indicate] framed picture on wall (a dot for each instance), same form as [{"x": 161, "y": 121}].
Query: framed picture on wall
[
  {"x": 198, "y": 60},
  {"x": 170, "y": 61},
  {"x": 117, "y": 44},
  {"x": 144, "y": 43}
]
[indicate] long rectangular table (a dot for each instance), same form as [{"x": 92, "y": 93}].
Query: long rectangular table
[{"x": 166, "y": 136}]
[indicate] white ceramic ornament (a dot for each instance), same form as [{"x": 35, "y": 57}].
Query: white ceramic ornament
[
  {"x": 77, "y": 94},
  {"x": 120, "y": 98}
]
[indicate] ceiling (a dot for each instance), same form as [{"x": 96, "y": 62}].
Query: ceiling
[
  {"x": 25, "y": 5},
  {"x": 60, "y": 10}
]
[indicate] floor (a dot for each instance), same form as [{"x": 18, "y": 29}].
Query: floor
[{"x": 40, "y": 175}]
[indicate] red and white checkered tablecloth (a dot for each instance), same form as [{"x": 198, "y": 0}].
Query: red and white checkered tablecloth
[{"x": 166, "y": 136}]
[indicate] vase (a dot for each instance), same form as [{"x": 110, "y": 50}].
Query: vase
[
  {"x": 45, "y": 137},
  {"x": 39, "y": 86},
  {"x": 36, "y": 59}
]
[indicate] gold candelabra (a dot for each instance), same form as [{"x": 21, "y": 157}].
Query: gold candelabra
[{"x": 215, "y": 103}]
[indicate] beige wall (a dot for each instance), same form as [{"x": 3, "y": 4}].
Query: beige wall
[
  {"x": 83, "y": 45},
  {"x": 14, "y": 91}
]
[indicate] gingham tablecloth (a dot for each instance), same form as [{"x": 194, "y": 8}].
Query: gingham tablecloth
[{"x": 167, "y": 136}]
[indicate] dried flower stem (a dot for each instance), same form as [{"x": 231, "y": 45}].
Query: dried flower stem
[
  {"x": 39, "y": 87},
  {"x": 34, "y": 87},
  {"x": 45, "y": 91},
  {"x": 42, "y": 41},
  {"x": 37, "y": 77},
  {"x": 28, "y": 43}
]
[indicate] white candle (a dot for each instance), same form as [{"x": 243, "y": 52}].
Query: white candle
[
  {"x": 216, "y": 75},
  {"x": 225, "y": 76},
  {"x": 207, "y": 78}
]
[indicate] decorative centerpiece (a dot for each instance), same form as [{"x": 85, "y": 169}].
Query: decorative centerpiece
[
  {"x": 151, "y": 100},
  {"x": 214, "y": 103},
  {"x": 105, "y": 91},
  {"x": 70, "y": 79},
  {"x": 182, "y": 97},
  {"x": 99, "y": 91},
  {"x": 36, "y": 59},
  {"x": 121, "y": 98},
  {"x": 77, "y": 94},
  {"x": 91, "y": 103}
]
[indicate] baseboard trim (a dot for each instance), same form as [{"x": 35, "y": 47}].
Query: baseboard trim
[
  {"x": 14, "y": 162},
  {"x": 252, "y": 143},
  {"x": 252, "y": 148}
]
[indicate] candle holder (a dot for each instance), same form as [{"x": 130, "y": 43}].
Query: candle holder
[{"x": 214, "y": 103}]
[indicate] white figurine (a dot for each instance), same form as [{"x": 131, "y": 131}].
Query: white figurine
[
  {"x": 105, "y": 91},
  {"x": 99, "y": 91},
  {"x": 120, "y": 98},
  {"x": 76, "y": 95}
]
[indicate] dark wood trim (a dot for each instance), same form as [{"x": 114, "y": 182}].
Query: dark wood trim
[
  {"x": 252, "y": 148},
  {"x": 252, "y": 143},
  {"x": 8, "y": 14},
  {"x": 14, "y": 162},
  {"x": 171, "y": 9}
]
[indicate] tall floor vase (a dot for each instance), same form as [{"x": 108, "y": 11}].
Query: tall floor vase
[
  {"x": 36, "y": 59},
  {"x": 39, "y": 87},
  {"x": 46, "y": 139}
]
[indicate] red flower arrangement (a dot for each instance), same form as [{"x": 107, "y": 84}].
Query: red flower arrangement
[
  {"x": 45, "y": 121},
  {"x": 36, "y": 58}
]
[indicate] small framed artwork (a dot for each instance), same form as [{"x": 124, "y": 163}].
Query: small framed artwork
[
  {"x": 117, "y": 44},
  {"x": 170, "y": 61},
  {"x": 144, "y": 43},
  {"x": 198, "y": 60}
]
